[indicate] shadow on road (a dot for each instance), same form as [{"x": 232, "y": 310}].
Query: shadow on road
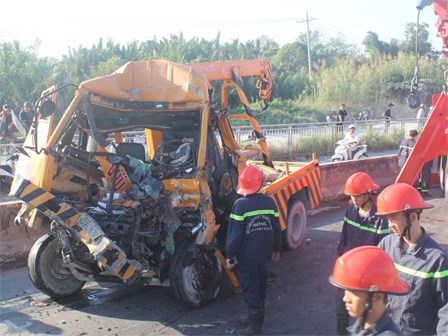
[{"x": 17, "y": 323}]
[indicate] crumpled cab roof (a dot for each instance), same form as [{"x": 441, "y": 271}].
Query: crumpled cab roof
[{"x": 154, "y": 81}]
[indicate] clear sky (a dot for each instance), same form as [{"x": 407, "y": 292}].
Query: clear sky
[{"x": 62, "y": 24}]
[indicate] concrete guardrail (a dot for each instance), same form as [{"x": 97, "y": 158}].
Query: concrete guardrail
[{"x": 384, "y": 170}]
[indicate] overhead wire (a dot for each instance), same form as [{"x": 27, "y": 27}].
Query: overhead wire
[
  {"x": 344, "y": 31},
  {"x": 338, "y": 32}
]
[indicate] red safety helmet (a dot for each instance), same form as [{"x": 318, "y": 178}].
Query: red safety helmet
[
  {"x": 249, "y": 181},
  {"x": 358, "y": 184},
  {"x": 367, "y": 269},
  {"x": 400, "y": 197}
]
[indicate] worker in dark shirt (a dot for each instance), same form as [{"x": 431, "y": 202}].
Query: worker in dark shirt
[
  {"x": 27, "y": 115},
  {"x": 367, "y": 274},
  {"x": 253, "y": 238},
  {"x": 420, "y": 261},
  {"x": 361, "y": 227}
]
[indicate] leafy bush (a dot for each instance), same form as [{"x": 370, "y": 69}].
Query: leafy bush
[{"x": 378, "y": 141}]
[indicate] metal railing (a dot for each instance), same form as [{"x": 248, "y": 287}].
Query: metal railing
[
  {"x": 289, "y": 141},
  {"x": 323, "y": 128},
  {"x": 297, "y": 141}
]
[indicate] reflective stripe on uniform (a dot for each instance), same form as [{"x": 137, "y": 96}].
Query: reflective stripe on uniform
[
  {"x": 254, "y": 213},
  {"x": 424, "y": 275},
  {"x": 366, "y": 228},
  {"x": 407, "y": 147}
]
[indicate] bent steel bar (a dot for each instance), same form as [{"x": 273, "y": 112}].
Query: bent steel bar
[{"x": 83, "y": 227}]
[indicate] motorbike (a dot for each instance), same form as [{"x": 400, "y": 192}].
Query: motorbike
[
  {"x": 332, "y": 116},
  {"x": 342, "y": 153},
  {"x": 364, "y": 115}
]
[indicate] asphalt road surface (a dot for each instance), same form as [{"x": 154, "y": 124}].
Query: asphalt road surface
[{"x": 300, "y": 300}]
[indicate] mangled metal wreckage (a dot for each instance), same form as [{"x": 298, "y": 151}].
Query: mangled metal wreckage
[{"x": 142, "y": 211}]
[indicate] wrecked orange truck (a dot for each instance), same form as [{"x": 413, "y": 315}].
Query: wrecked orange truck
[{"x": 135, "y": 181}]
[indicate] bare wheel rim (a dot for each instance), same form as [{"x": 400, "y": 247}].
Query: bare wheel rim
[{"x": 297, "y": 228}]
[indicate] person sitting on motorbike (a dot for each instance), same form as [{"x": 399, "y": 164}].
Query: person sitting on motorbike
[
  {"x": 352, "y": 139},
  {"x": 6, "y": 124}
]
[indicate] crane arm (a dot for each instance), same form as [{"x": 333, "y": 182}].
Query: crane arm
[
  {"x": 226, "y": 70},
  {"x": 441, "y": 10},
  {"x": 231, "y": 72}
]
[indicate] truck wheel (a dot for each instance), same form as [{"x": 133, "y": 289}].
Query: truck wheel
[
  {"x": 47, "y": 272},
  {"x": 335, "y": 160},
  {"x": 295, "y": 226},
  {"x": 363, "y": 157},
  {"x": 195, "y": 275}
]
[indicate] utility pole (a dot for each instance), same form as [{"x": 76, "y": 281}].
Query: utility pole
[{"x": 308, "y": 42}]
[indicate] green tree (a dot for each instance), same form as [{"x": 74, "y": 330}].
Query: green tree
[
  {"x": 374, "y": 47},
  {"x": 23, "y": 75},
  {"x": 409, "y": 43}
]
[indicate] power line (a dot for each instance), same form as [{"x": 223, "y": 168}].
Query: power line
[
  {"x": 335, "y": 33},
  {"x": 341, "y": 30},
  {"x": 308, "y": 19}
]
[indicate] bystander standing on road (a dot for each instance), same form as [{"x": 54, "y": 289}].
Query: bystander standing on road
[
  {"x": 361, "y": 227},
  {"x": 27, "y": 115},
  {"x": 253, "y": 238},
  {"x": 367, "y": 274},
  {"x": 421, "y": 115},
  {"x": 342, "y": 114},
  {"x": 387, "y": 115},
  {"x": 420, "y": 261}
]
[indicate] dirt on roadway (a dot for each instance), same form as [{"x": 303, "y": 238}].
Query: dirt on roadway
[{"x": 300, "y": 300}]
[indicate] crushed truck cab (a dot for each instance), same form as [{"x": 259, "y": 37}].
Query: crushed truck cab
[{"x": 136, "y": 181}]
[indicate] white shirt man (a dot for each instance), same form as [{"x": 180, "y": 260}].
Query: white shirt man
[
  {"x": 352, "y": 136},
  {"x": 353, "y": 140}
]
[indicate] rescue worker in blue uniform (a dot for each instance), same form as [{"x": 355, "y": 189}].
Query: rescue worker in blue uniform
[
  {"x": 361, "y": 227},
  {"x": 406, "y": 147},
  {"x": 253, "y": 238},
  {"x": 420, "y": 261},
  {"x": 424, "y": 179},
  {"x": 367, "y": 274}
]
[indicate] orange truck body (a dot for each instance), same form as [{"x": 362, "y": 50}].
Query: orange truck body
[{"x": 176, "y": 184}]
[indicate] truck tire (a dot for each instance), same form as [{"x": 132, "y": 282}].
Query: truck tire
[
  {"x": 46, "y": 271},
  {"x": 195, "y": 275},
  {"x": 295, "y": 226}
]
